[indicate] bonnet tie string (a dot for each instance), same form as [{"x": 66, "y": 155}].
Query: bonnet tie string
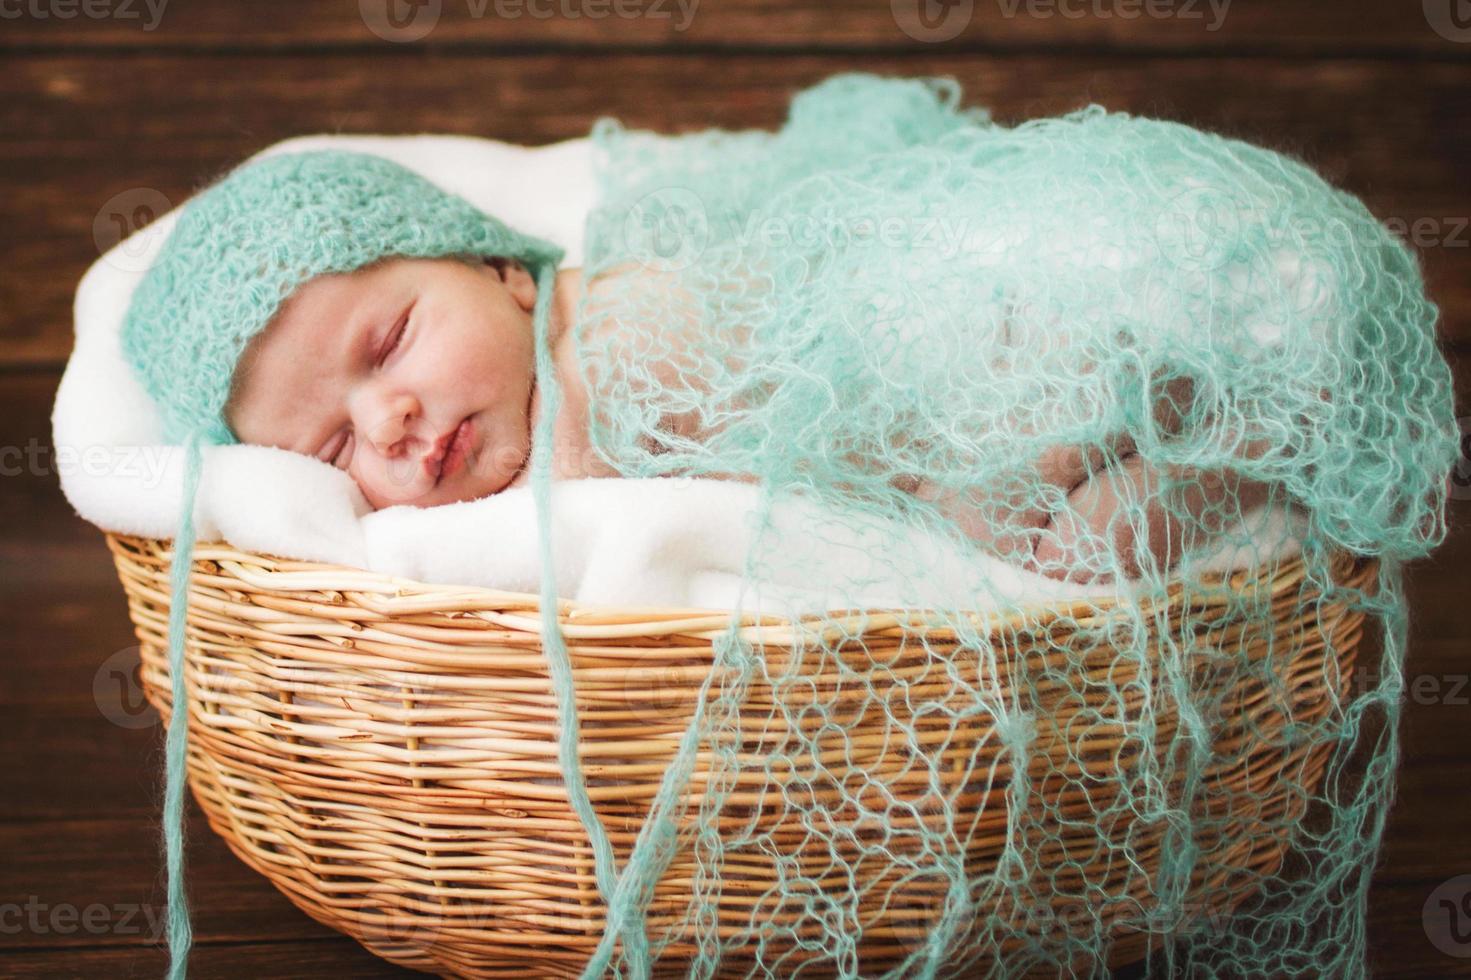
[
  {"x": 180, "y": 933},
  {"x": 559, "y": 664}
]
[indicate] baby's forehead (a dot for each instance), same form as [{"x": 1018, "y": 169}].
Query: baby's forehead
[
  {"x": 327, "y": 306},
  {"x": 321, "y": 314},
  {"x": 332, "y": 296}
]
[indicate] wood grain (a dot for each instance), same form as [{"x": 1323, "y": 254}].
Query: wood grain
[{"x": 1301, "y": 26}]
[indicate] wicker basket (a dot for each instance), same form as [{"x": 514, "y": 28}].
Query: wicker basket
[{"x": 384, "y": 751}]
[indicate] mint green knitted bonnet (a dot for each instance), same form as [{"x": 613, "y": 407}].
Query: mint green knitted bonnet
[
  {"x": 245, "y": 244},
  {"x": 239, "y": 250}
]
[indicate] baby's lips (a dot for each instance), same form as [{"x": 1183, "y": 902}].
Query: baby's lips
[
  {"x": 433, "y": 459},
  {"x": 461, "y": 439}
]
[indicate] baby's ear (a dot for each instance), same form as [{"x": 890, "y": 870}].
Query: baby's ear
[{"x": 517, "y": 279}]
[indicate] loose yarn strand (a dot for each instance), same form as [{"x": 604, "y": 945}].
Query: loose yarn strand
[
  {"x": 180, "y": 932},
  {"x": 559, "y": 664}
]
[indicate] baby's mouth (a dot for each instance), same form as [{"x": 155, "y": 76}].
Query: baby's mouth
[
  {"x": 455, "y": 454},
  {"x": 483, "y": 455}
]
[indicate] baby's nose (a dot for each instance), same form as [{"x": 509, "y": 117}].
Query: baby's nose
[{"x": 398, "y": 423}]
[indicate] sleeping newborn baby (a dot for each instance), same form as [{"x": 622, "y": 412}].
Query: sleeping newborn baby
[{"x": 416, "y": 377}]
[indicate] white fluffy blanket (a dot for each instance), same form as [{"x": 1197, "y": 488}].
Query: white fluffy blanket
[{"x": 626, "y": 542}]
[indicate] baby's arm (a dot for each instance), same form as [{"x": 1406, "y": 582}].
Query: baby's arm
[{"x": 657, "y": 327}]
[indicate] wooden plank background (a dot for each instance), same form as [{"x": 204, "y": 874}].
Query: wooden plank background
[{"x": 1374, "y": 93}]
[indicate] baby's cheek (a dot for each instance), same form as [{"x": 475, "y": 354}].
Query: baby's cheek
[
  {"x": 494, "y": 462},
  {"x": 371, "y": 493}
]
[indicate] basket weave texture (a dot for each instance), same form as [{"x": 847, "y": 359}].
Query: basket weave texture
[{"x": 384, "y": 751}]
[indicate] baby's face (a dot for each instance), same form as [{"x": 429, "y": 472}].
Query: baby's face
[{"x": 413, "y": 375}]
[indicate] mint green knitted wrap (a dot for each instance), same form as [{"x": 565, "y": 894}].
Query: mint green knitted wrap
[
  {"x": 895, "y": 291},
  {"x": 240, "y": 248}
]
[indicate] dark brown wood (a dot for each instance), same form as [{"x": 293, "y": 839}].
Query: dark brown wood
[
  {"x": 329, "y": 956},
  {"x": 1321, "y": 26},
  {"x": 114, "y": 862},
  {"x": 1398, "y": 949},
  {"x": 45, "y": 545}
]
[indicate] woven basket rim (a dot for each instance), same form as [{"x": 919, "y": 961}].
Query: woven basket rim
[{"x": 279, "y": 574}]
